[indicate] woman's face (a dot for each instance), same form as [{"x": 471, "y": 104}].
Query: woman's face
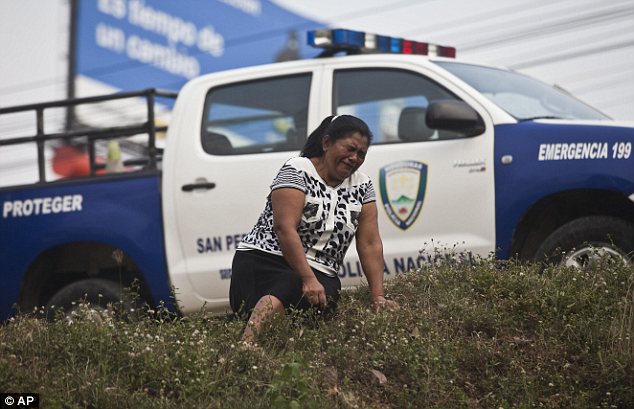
[{"x": 344, "y": 155}]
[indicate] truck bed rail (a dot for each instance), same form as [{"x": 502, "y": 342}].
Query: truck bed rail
[{"x": 93, "y": 134}]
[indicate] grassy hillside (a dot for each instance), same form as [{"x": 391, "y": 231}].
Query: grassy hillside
[{"x": 493, "y": 335}]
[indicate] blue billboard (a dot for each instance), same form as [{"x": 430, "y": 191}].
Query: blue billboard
[{"x": 136, "y": 44}]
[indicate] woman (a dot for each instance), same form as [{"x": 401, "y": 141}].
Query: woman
[{"x": 317, "y": 205}]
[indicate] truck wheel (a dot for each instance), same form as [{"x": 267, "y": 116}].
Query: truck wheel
[
  {"x": 586, "y": 240},
  {"x": 99, "y": 294}
]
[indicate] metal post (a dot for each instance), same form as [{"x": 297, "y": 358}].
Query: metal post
[
  {"x": 72, "y": 62},
  {"x": 39, "y": 114},
  {"x": 151, "y": 130}
]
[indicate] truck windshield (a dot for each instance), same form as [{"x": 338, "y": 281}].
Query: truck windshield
[{"x": 521, "y": 96}]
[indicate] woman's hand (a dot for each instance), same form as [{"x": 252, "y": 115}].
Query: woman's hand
[
  {"x": 314, "y": 292},
  {"x": 380, "y": 303}
]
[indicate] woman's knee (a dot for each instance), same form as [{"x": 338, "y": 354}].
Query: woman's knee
[{"x": 269, "y": 304}]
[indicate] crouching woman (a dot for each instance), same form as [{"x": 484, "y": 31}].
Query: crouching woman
[{"x": 318, "y": 203}]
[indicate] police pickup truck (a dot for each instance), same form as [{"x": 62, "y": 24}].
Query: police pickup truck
[{"x": 466, "y": 158}]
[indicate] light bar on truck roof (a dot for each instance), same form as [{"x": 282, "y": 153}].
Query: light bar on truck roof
[{"x": 356, "y": 42}]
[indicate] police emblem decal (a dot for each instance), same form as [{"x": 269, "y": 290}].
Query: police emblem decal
[{"x": 403, "y": 186}]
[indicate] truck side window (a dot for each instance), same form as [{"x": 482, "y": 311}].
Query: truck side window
[
  {"x": 392, "y": 102},
  {"x": 268, "y": 115}
]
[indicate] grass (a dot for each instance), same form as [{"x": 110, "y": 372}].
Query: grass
[{"x": 483, "y": 335}]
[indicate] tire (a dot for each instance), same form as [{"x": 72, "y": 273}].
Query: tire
[
  {"x": 100, "y": 295},
  {"x": 583, "y": 241}
]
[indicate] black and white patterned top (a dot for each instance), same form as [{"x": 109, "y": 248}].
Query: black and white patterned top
[{"x": 330, "y": 218}]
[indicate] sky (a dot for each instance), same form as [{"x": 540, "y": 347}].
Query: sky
[
  {"x": 585, "y": 46},
  {"x": 33, "y": 42}
]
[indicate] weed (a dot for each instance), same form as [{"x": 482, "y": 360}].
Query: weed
[{"x": 476, "y": 334}]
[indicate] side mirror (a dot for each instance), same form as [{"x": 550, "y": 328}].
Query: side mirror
[{"x": 454, "y": 116}]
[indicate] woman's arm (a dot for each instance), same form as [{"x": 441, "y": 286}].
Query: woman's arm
[
  {"x": 370, "y": 249},
  {"x": 288, "y": 206}
]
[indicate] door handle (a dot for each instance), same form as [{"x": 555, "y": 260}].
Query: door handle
[{"x": 195, "y": 186}]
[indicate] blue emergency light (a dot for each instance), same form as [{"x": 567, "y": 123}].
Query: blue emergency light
[{"x": 357, "y": 42}]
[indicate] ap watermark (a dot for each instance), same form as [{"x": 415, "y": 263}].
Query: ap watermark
[{"x": 19, "y": 400}]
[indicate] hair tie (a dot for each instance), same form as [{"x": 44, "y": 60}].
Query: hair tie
[{"x": 333, "y": 118}]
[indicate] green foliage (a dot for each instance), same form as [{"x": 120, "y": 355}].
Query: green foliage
[
  {"x": 290, "y": 389},
  {"x": 482, "y": 334}
]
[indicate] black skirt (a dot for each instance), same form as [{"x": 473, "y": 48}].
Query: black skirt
[{"x": 257, "y": 273}]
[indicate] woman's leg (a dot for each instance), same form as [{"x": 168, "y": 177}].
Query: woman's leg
[{"x": 265, "y": 308}]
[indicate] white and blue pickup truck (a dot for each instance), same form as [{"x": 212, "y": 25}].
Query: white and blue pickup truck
[{"x": 465, "y": 157}]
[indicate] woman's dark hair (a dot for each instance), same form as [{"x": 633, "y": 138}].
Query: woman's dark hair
[{"x": 334, "y": 127}]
